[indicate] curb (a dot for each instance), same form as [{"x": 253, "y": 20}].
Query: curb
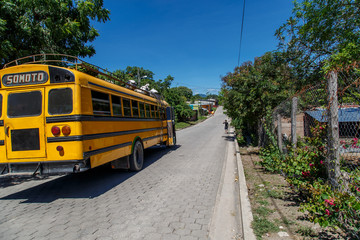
[{"x": 245, "y": 206}]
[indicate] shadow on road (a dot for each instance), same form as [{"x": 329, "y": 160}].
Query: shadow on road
[
  {"x": 229, "y": 137},
  {"x": 88, "y": 184}
]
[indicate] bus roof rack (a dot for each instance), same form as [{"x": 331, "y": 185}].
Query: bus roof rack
[{"x": 69, "y": 61}]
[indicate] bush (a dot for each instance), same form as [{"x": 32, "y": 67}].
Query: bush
[{"x": 305, "y": 170}]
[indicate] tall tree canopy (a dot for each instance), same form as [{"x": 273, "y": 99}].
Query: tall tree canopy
[
  {"x": 321, "y": 35},
  {"x": 252, "y": 87},
  {"x": 48, "y": 26},
  {"x": 185, "y": 91}
]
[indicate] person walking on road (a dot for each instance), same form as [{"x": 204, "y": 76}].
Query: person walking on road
[{"x": 226, "y": 126}]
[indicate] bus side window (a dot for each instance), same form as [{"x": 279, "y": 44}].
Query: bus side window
[
  {"x": 116, "y": 105},
  {"x": 0, "y": 105},
  {"x": 153, "y": 111},
  {"x": 60, "y": 101},
  {"x": 157, "y": 111},
  {"x": 101, "y": 103},
  {"x": 163, "y": 115},
  {"x": 126, "y": 106},
  {"x": 135, "y": 108},
  {"x": 142, "y": 109},
  {"x": 147, "y": 109}
]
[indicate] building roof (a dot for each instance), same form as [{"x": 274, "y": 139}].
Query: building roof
[{"x": 345, "y": 115}]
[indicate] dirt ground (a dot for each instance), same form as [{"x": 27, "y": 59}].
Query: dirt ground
[{"x": 275, "y": 205}]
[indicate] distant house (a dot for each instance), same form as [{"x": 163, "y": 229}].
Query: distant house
[{"x": 349, "y": 121}]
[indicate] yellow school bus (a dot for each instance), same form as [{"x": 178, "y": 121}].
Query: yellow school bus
[{"x": 55, "y": 118}]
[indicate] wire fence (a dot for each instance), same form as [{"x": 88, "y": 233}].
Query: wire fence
[{"x": 320, "y": 126}]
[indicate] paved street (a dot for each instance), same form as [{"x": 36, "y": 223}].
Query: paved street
[{"x": 173, "y": 197}]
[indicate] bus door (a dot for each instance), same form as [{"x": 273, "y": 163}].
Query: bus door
[
  {"x": 24, "y": 124},
  {"x": 170, "y": 116}
]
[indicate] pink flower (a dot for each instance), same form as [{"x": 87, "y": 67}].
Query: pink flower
[
  {"x": 321, "y": 162},
  {"x": 305, "y": 174},
  {"x": 321, "y": 128},
  {"x": 327, "y": 212},
  {"x": 357, "y": 189},
  {"x": 331, "y": 201},
  {"x": 311, "y": 165}
]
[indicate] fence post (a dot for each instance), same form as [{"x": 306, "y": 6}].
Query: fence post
[
  {"x": 279, "y": 130},
  {"x": 293, "y": 121},
  {"x": 333, "y": 156}
]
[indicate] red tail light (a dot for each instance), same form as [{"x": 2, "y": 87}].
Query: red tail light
[
  {"x": 55, "y": 131},
  {"x": 59, "y": 148},
  {"x": 66, "y": 130}
]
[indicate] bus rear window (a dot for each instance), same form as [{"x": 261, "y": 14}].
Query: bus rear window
[
  {"x": 24, "y": 104},
  {"x": 60, "y": 101}
]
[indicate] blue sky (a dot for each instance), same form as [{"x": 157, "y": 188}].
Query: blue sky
[{"x": 195, "y": 41}]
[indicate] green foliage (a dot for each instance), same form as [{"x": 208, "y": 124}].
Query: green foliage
[
  {"x": 321, "y": 35},
  {"x": 252, "y": 88},
  {"x": 185, "y": 91},
  {"x": 48, "y": 26},
  {"x": 305, "y": 170},
  {"x": 182, "y": 110},
  {"x": 272, "y": 158}
]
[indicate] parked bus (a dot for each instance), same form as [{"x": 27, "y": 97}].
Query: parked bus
[{"x": 58, "y": 119}]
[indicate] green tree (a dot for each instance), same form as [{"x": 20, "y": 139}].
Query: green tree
[
  {"x": 252, "y": 88},
  {"x": 48, "y": 26},
  {"x": 321, "y": 35},
  {"x": 182, "y": 110},
  {"x": 185, "y": 91}
]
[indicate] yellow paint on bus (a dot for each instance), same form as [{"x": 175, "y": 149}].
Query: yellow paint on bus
[{"x": 56, "y": 119}]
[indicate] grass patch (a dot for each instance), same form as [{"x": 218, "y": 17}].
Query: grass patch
[
  {"x": 263, "y": 202},
  {"x": 306, "y": 231},
  {"x": 276, "y": 194},
  {"x": 263, "y": 211},
  {"x": 262, "y": 226},
  {"x": 181, "y": 125}
]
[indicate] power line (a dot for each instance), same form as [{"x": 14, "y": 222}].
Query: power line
[{"x": 241, "y": 33}]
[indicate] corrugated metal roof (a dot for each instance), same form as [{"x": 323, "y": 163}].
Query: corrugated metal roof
[{"x": 345, "y": 115}]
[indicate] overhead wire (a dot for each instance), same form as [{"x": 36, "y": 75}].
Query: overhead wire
[{"x": 241, "y": 33}]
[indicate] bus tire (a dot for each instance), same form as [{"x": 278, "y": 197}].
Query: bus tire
[{"x": 137, "y": 157}]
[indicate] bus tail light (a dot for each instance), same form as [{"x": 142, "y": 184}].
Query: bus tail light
[
  {"x": 55, "y": 130},
  {"x": 60, "y": 149},
  {"x": 66, "y": 130}
]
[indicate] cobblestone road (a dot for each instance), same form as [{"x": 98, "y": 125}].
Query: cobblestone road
[{"x": 172, "y": 198}]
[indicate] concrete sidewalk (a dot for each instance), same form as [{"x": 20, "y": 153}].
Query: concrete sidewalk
[{"x": 232, "y": 214}]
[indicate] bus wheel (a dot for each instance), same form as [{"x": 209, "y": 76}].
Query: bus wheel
[{"x": 137, "y": 158}]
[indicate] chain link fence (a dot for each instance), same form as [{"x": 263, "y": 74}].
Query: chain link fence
[{"x": 327, "y": 116}]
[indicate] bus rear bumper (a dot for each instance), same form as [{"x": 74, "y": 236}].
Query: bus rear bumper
[{"x": 45, "y": 168}]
